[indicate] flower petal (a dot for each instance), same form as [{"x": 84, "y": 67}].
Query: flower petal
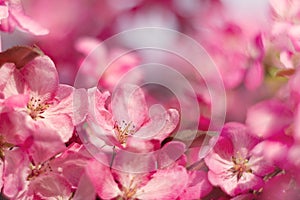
[
  {"x": 160, "y": 125},
  {"x": 50, "y": 186},
  {"x": 239, "y": 135},
  {"x": 11, "y": 81},
  {"x": 97, "y": 172},
  {"x": 129, "y": 104},
  {"x": 268, "y": 118},
  {"x": 15, "y": 173},
  {"x": 97, "y": 111},
  {"x": 254, "y": 76},
  {"x": 61, "y": 123},
  {"x": 229, "y": 183},
  {"x": 164, "y": 184},
  {"x": 85, "y": 189},
  {"x": 198, "y": 186},
  {"x": 41, "y": 76},
  {"x": 23, "y": 21},
  {"x": 46, "y": 144}
]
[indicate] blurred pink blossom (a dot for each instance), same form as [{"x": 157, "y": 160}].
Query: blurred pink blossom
[{"x": 12, "y": 15}]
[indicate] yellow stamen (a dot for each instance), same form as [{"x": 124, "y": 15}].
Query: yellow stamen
[{"x": 124, "y": 131}]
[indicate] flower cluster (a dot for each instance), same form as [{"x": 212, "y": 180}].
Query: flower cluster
[{"x": 49, "y": 130}]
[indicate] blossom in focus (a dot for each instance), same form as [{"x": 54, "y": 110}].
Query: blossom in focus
[
  {"x": 48, "y": 103},
  {"x": 234, "y": 165},
  {"x": 126, "y": 123}
]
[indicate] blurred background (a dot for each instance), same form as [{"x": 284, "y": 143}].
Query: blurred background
[{"x": 231, "y": 31}]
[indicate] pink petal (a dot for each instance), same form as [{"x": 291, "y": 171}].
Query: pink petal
[
  {"x": 86, "y": 45},
  {"x": 63, "y": 101},
  {"x": 170, "y": 153},
  {"x": 69, "y": 101},
  {"x": 164, "y": 184},
  {"x": 50, "y": 186},
  {"x": 3, "y": 12},
  {"x": 61, "y": 123},
  {"x": 286, "y": 59},
  {"x": 231, "y": 186},
  {"x": 131, "y": 162},
  {"x": 85, "y": 189},
  {"x": 13, "y": 82},
  {"x": 294, "y": 33},
  {"x": 97, "y": 111},
  {"x": 24, "y": 22},
  {"x": 280, "y": 28},
  {"x": 239, "y": 135},
  {"x": 15, "y": 173},
  {"x": 97, "y": 172},
  {"x": 158, "y": 119},
  {"x": 71, "y": 163},
  {"x": 46, "y": 144},
  {"x": 293, "y": 85},
  {"x": 198, "y": 186},
  {"x": 297, "y": 124},
  {"x": 160, "y": 126},
  {"x": 6, "y": 71},
  {"x": 268, "y": 118},
  {"x": 268, "y": 154},
  {"x": 219, "y": 159},
  {"x": 42, "y": 77},
  {"x": 12, "y": 132},
  {"x": 127, "y": 180},
  {"x": 80, "y": 106},
  {"x": 244, "y": 197},
  {"x": 281, "y": 187},
  {"x": 134, "y": 144},
  {"x": 279, "y": 6},
  {"x": 129, "y": 104},
  {"x": 254, "y": 76},
  {"x": 17, "y": 101}
]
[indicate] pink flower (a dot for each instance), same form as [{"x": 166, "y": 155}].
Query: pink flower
[
  {"x": 48, "y": 103},
  {"x": 12, "y": 15},
  {"x": 161, "y": 184},
  {"x": 22, "y": 167},
  {"x": 127, "y": 123},
  {"x": 48, "y": 171},
  {"x": 234, "y": 163}
]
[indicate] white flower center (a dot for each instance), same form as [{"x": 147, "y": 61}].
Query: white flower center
[
  {"x": 36, "y": 108},
  {"x": 124, "y": 130},
  {"x": 240, "y": 166}
]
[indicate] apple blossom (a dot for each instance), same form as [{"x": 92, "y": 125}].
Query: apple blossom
[
  {"x": 49, "y": 103},
  {"x": 128, "y": 124},
  {"x": 234, "y": 164}
]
